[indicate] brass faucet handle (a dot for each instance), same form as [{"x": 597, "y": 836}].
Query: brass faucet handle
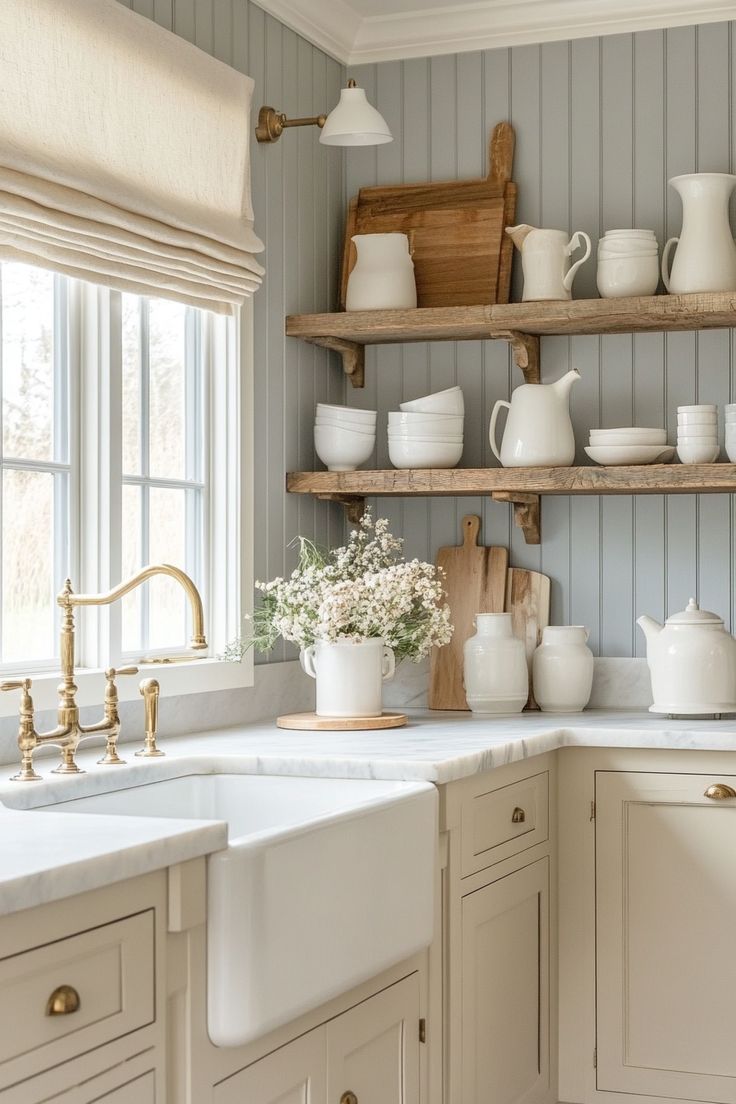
[
  {"x": 112, "y": 672},
  {"x": 149, "y": 689},
  {"x": 27, "y": 738}
]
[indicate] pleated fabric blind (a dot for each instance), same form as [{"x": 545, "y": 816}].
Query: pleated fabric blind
[{"x": 124, "y": 154}]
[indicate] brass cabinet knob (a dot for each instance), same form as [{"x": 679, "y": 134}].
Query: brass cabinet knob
[
  {"x": 63, "y": 1001},
  {"x": 719, "y": 791},
  {"x": 518, "y": 816},
  {"x": 348, "y": 1098}
]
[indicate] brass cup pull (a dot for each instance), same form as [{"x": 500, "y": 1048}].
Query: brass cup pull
[
  {"x": 63, "y": 1001},
  {"x": 348, "y": 1098},
  {"x": 719, "y": 791},
  {"x": 518, "y": 816}
]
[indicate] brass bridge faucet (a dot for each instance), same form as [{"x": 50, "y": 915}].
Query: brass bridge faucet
[{"x": 69, "y": 733}]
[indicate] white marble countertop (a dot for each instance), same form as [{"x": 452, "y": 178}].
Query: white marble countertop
[{"x": 48, "y": 855}]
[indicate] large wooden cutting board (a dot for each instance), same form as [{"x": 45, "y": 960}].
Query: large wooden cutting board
[
  {"x": 475, "y": 583},
  {"x": 462, "y": 257},
  {"x": 527, "y": 600}
]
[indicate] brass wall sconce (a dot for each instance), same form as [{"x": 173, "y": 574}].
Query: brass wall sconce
[{"x": 352, "y": 122}]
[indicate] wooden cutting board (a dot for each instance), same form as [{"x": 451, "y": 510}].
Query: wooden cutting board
[
  {"x": 527, "y": 600},
  {"x": 461, "y": 254},
  {"x": 476, "y": 580}
]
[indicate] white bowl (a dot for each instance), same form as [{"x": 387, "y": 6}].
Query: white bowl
[
  {"x": 653, "y": 434},
  {"x": 424, "y": 454},
  {"x": 353, "y": 413},
  {"x": 629, "y": 234},
  {"x": 697, "y": 433},
  {"x": 626, "y": 441},
  {"x": 341, "y": 449},
  {"x": 429, "y": 433},
  {"x": 449, "y": 401},
  {"x": 702, "y": 408},
  {"x": 698, "y": 419},
  {"x": 398, "y": 418},
  {"x": 618, "y": 277},
  {"x": 341, "y": 423},
  {"x": 446, "y": 440},
  {"x": 697, "y": 454},
  {"x": 630, "y": 454}
]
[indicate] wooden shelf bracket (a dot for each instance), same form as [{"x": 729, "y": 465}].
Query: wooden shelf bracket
[
  {"x": 354, "y": 505},
  {"x": 353, "y": 356},
  {"x": 525, "y": 349},
  {"x": 526, "y": 513}
]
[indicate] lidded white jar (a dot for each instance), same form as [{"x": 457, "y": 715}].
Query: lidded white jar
[
  {"x": 562, "y": 669},
  {"x": 496, "y": 675}
]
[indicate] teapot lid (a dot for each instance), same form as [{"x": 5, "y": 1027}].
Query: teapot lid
[{"x": 693, "y": 615}]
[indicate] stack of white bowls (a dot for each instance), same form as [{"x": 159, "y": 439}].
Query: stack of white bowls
[
  {"x": 344, "y": 436},
  {"x": 697, "y": 434},
  {"x": 427, "y": 432},
  {"x": 629, "y": 445},
  {"x": 628, "y": 263},
  {"x": 731, "y": 432}
]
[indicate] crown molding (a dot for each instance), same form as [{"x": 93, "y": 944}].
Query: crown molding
[{"x": 335, "y": 27}]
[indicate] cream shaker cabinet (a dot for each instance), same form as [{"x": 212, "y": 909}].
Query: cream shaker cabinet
[{"x": 666, "y": 924}]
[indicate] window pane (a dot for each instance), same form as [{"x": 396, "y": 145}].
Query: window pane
[
  {"x": 28, "y": 362},
  {"x": 167, "y": 337},
  {"x": 131, "y": 561},
  {"x": 28, "y": 606},
  {"x": 131, "y": 385},
  {"x": 168, "y": 624}
]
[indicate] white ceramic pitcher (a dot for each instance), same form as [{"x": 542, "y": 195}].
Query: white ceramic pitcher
[
  {"x": 383, "y": 276},
  {"x": 545, "y": 260},
  {"x": 538, "y": 429},
  {"x": 349, "y": 676},
  {"x": 705, "y": 259}
]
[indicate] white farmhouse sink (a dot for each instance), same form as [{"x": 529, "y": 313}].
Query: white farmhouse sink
[{"x": 324, "y": 883}]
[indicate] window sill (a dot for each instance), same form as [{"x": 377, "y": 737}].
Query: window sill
[{"x": 200, "y": 676}]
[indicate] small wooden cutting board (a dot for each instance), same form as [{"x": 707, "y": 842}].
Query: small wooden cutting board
[
  {"x": 527, "y": 600},
  {"x": 475, "y": 583}
]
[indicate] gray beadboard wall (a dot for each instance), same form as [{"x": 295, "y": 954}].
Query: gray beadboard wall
[{"x": 601, "y": 125}]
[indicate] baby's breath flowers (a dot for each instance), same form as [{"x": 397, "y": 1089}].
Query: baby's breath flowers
[{"x": 359, "y": 591}]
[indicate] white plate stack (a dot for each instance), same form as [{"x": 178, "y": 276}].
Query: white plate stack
[
  {"x": 344, "y": 436},
  {"x": 697, "y": 434},
  {"x": 731, "y": 432},
  {"x": 629, "y": 445},
  {"x": 428, "y": 432}
]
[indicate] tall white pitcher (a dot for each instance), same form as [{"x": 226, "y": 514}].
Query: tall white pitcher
[{"x": 705, "y": 259}]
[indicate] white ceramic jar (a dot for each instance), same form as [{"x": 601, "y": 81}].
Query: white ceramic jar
[
  {"x": 562, "y": 669},
  {"x": 383, "y": 276},
  {"x": 495, "y": 671},
  {"x": 349, "y": 676}
]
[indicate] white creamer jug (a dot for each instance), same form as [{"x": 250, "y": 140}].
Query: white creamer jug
[
  {"x": 538, "y": 429},
  {"x": 546, "y": 260}
]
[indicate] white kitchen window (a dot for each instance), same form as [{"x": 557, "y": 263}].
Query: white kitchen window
[{"x": 123, "y": 442}]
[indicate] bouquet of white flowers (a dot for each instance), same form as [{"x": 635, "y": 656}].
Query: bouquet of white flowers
[{"x": 360, "y": 591}]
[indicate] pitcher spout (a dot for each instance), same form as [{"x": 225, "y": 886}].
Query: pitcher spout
[
  {"x": 518, "y": 234},
  {"x": 649, "y": 627},
  {"x": 563, "y": 385}
]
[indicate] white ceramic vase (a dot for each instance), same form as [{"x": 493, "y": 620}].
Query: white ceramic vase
[
  {"x": 383, "y": 276},
  {"x": 562, "y": 669},
  {"x": 349, "y": 676},
  {"x": 705, "y": 259},
  {"x": 495, "y": 670}
]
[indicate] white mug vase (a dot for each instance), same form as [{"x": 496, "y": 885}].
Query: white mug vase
[
  {"x": 383, "y": 276},
  {"x": 349, "y": 676}
]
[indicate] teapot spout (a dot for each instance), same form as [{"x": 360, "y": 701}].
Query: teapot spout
[
  {"x": 649, "y": 627},
  {"x": 519, "y": 233},
  {"x": 564, "y": 384}
]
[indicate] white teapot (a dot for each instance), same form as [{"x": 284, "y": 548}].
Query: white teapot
[{"x": 692, "y": 662}]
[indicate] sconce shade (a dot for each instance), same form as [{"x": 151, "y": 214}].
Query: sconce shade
[{"x": 353, "y": 122}]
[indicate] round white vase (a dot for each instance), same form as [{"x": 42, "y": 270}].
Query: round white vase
[
  {"x": 562, "y": 669},
  {"x": 383, "y": 276},
  {"x": 349, "y": 676},
  {"x": 495, "y": 673}
]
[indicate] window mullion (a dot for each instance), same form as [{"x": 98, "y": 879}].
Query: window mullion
[{"x": 145, "y": 447}]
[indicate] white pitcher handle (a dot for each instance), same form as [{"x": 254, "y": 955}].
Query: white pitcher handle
[
  {"x": 388, "y": 665},
  {"x": 492, "y": 427},
  {"x": 575, "y": 242},
  {"x": 665, "y": 256},
  {"x": 306, "y": 658}
]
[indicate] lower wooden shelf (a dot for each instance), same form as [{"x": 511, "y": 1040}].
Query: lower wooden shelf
[{"x": 520, "y": 486}]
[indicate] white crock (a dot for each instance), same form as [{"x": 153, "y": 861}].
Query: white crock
[
  {"x": 349, "y": 676},
  {"x": 495, "y": 671},
  {"x": 562, "y": 669},
  {"x": 383, "y": 276}
]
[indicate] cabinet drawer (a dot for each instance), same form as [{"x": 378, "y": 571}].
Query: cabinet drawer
[
  {"x": 502, "y": 822},
  {"x": 110, "y": 968}
]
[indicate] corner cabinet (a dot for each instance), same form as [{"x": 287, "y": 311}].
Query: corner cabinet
[{"x": 666, "y": 945}]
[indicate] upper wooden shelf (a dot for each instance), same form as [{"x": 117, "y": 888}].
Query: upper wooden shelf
[{"x": 519, "y": 323}]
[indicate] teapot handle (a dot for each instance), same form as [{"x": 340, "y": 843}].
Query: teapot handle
[
  {"x": 665, "y": 255},
  {"x": 492, "y": 428},
  {"x": 575, "y": 242}
]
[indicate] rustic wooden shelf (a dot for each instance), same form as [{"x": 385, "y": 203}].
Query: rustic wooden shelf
[
  {"x": 521, "y": 324},
  {"x": 520, "y": 486}
]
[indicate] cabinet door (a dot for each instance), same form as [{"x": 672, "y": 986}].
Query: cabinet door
[
  {"x": 505, "y": 989},
  {"x": 373, "y": 1050},
  {"x": 294, "y": 1074},
  {"x": 666, "y": 936}
]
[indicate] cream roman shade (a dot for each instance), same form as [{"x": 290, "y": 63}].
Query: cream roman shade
[{"x": 124, "y": 154}]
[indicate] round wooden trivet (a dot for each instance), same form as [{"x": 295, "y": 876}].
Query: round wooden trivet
[{"x": 312, "y": 723}]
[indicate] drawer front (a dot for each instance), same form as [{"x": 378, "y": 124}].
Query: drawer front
[
  {"x": 502, "y": 822},
  {"x": 111, "y": 971}
]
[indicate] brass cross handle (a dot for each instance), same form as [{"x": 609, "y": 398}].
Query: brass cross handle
[{"x": 719, "y": 791}]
